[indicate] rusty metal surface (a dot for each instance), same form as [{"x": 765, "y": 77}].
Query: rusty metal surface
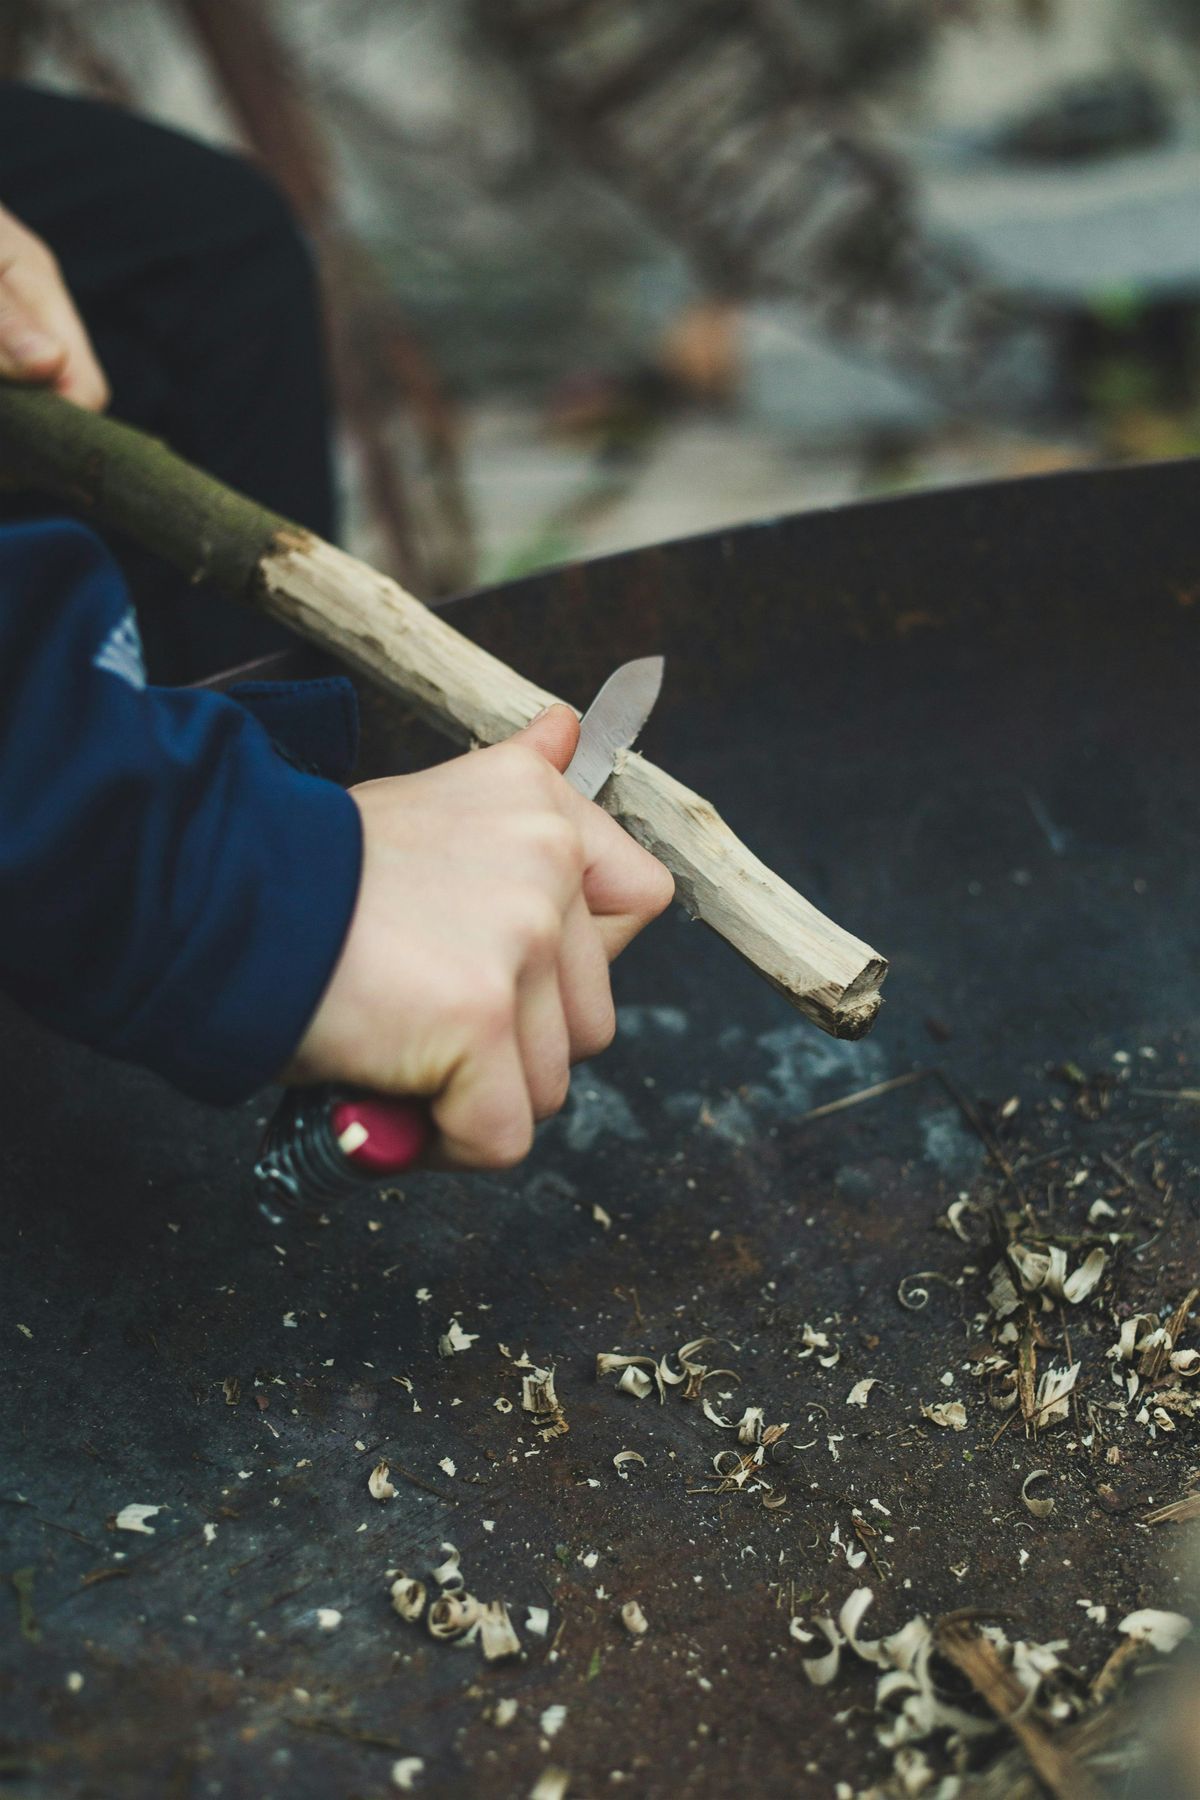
[{"x": 965, "y": 724}]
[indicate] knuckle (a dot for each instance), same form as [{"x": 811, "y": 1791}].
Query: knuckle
[
  {"x": 508, "y": 1144},
  {"x": 539, "y": 926},
  {"x": 553, "y": 837},
  {"x": 555, "y": 1097},
  {"x": 600, "y": 1027},
  {"x": 660, "y": 889},
  {"x": 526, "y": 767},
  {"x": 485, "y": 1004}
]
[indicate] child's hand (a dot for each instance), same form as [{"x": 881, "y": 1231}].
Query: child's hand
[
  {"x": 42, "y": 338},
  {"x": 475, "y": 971}
]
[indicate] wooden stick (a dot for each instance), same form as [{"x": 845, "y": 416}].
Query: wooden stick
[
  {"x": 134, "y": 484},
  {"x": 960, "y": 1644}
]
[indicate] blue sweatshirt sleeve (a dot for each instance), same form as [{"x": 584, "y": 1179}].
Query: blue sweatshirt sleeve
[{"x": 172, "y": 891}]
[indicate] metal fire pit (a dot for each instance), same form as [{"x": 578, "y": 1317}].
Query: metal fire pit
[{"x": 963, "y": 723}]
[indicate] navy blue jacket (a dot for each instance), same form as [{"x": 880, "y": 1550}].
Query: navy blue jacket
[{"x": 172, "y": 890}]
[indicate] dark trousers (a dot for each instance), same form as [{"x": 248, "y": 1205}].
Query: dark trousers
[{"x": 200, "y": 299}]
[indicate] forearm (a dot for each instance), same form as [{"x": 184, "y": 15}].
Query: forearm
[{"x": 171, "y": 891}]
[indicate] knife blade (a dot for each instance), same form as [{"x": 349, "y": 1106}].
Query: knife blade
[{"x": 613, "y": 722}]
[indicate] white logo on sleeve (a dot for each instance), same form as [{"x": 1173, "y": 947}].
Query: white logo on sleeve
[{"x": 121, "y": 653}]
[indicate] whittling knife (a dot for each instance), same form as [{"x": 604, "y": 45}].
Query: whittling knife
[{"x": 324, "y": 1142}]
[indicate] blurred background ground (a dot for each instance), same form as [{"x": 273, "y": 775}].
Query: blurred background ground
[{"x": 550, "y": 346}]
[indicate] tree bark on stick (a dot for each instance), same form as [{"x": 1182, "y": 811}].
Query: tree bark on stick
[{"x": 134, "y": 484}]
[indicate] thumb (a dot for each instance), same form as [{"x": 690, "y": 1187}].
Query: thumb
[
  {"x": 553, "y": 734},
  {"x": 26, "y": 352}
]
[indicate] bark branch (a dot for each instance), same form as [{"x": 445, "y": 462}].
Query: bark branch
[{"x": 127, "y": 481}]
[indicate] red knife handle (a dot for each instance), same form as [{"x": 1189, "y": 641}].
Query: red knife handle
[{"x": 323, "y": 1143}]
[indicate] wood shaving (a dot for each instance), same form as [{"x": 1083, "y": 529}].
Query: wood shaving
[
  {"x": 1053, "y": 1393},
  {"x": 640, "y": 1374},
  {"x": 821, "y": 1670},
  {"x": 504, "y": 1712},
  {"x": 1163, "y": 1631},
  {"x": 750, "y": 1425},
  {"x": 949, "y": 1413},
  {"x": 496, "y": 1635},
  {"x": 538, "y": 1620},
  {"x": 1003, "y": 1297},
  {"x": 634, "y": 1619},
  {"x": 448, "y": 1464},
  {"x": 455, "y": 1618},
  {"x": 405, "y": 1771},
  {"x": 1041, "y": 1509},
  {"x": 622, "y": 1460},
  {"x": 134, "y": 1516},
  {"x": 454, "y": 1340},
  {"x": 551, "y": 1784},
  {"x": 539, "y": 1398},
  {"x": 860, "y": 1391},
  {"x": 1045, "y": 1271},
  {"x": 448, "y": 1575},
  {"x": 378, "y": 1485},
  {"x": 502, "y": 1404},
  {"x": 408, "y": 1597}
]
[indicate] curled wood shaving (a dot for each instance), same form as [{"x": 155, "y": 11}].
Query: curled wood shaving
[
  {"x": 636, "y": 1381},
  {"x": 1041, "y": 1509},
  {"x": 634, "y": 1619},
  {"x": 408, "y": 1597},
  {"x": 378, "y": 1485},
  {"x": 860, "y": 1391},
  {"x": 912, "y": 1296},
  {"x": 821, "y": 1670},
  {"x": 716, "y": 1418},
  {"x": 1133, "y": 1336},
  {"x": 1046, "y": 1271},
  {"x": 448, "y": 1575},
  {"x": 406, "y": 1769},
  {"x": 622, "y": 1460},
  {"x": 640, "y": 1374},
  {"x": 949, "y": 1413},
  {"x": 502, "y": 1404},
  {"x": 1086, "y": 1277},
  {"x": 455, "y": 1618},
  {"x": 954, "y": 1217}
]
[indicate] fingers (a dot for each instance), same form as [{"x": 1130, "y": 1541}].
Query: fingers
[
  {"x": 543, "y": 1039},
  {"x": 42, "y": 337},
  {"x": 583, "y": 981},
  {"x": 27, "y": 353},
  {"x": 625, "y": 887},
  {"x": 484, "y": 1114},
  {"x": 553, "y": 734}
]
